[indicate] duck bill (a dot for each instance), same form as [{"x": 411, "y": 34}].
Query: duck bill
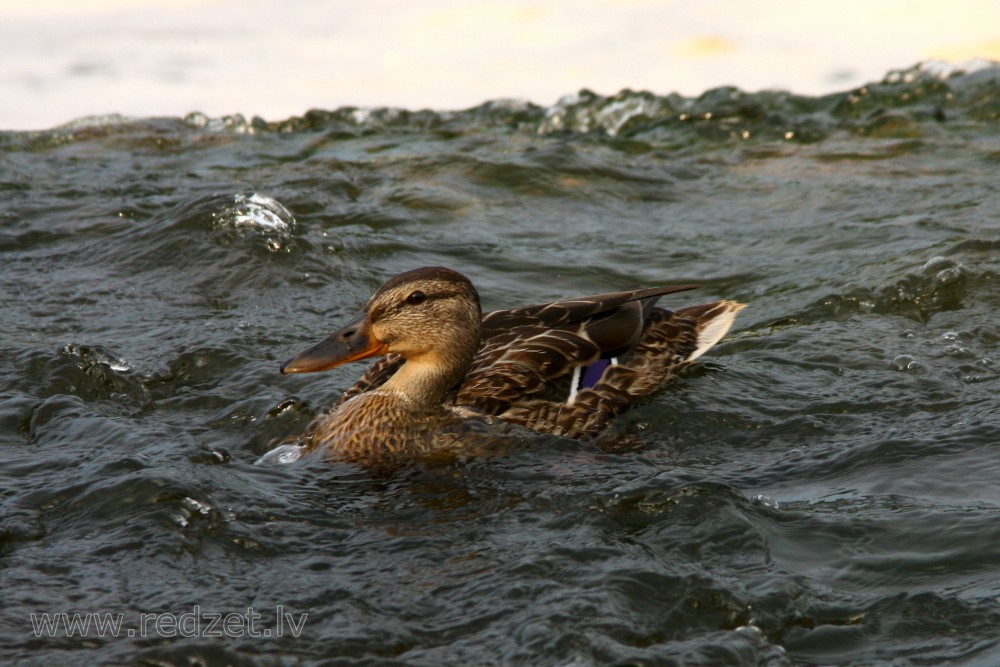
[{"x": 355, "y": 341}]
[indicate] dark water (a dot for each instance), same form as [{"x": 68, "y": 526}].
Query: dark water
[{"x": 823, "y": 488}]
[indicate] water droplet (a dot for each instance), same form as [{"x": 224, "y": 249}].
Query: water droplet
[
  {"x": 905, "y": 362},
  {"x": 935, "y": 264},
  {"x": 949, "y": 276},
  {"x": 750, "y": 631},
  {"x": 282, "y": 454},
  {"x": 766, "y": 501},
  {"x": 197, "y": 506},
  {"x": 957, "y": 351}
]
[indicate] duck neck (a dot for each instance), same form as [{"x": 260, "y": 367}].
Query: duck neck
[{"x": 426, "y": 380}]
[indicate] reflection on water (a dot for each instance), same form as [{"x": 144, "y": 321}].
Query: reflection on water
[{"x": 819, "y": 489}]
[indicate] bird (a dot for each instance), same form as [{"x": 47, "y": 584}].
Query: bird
[{"x": 565, "y": 368}]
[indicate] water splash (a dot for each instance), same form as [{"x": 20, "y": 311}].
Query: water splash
[
  {"x": 257, "y": 211},
  {"x": 257, "y": 214},
  {"x": 96, "y": 354},
  {"x": 283, "y": 454}
]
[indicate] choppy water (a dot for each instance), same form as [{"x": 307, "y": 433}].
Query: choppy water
[{"x": 824, "y": 488}]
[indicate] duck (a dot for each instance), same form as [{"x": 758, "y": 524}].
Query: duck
[{"x": 566, "y": 368}]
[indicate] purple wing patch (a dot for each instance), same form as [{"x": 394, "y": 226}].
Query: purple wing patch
[{"x": 592, "y": 373}]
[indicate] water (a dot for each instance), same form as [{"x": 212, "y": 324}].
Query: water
[{"x": 821, "y": 489}]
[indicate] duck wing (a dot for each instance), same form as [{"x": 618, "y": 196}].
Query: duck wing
[
  {"x": 670, "y": 341},
  {"x": 533, "y": 351}
]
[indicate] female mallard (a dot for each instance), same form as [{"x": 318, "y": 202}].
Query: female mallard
[{"x": 565, "y": 368}]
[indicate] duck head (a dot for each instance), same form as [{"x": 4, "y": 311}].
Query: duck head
[{"x": 430, "y": 316}]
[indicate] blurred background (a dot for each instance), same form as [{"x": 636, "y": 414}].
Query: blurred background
[{"x": 63, "y": 59}]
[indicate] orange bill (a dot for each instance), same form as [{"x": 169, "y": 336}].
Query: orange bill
[{"x": 355, "y": 341}]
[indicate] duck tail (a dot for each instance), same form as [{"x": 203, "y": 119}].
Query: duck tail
[{"x": 712, "y": 321}]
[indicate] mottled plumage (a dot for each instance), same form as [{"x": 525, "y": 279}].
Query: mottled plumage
[{"x": 446, "y": 366}]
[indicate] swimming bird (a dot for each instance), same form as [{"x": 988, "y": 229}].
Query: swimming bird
[{"x": 566, "y": 368}]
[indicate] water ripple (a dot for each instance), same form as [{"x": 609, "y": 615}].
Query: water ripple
[{"x": 819, "y": 489}]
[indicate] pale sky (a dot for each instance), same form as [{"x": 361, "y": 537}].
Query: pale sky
[{"x": 64, "y": 59}]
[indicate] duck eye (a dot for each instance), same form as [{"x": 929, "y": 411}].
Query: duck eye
[{"x": 416, "y": 298}]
